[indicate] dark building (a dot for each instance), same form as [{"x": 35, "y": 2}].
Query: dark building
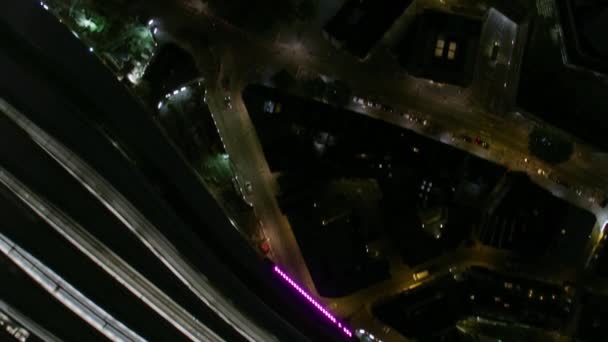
[
  {"x": 584, "y": 25},
  {"x": 360, "y": 24},
  {"x": 430, "y": 311},
  {"x": 561, "y": 73},
  {"x": 441, "y": 47}
]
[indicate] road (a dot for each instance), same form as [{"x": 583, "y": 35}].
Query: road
[{"x": 246, "y": 152}]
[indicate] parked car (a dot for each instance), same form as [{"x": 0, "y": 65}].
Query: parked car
[
  {"x": 227, "y": 102},
  {"x": 479, "y": 141},
  {"x": 359, "y": 100},
  {"x": 466, "y": 138}
]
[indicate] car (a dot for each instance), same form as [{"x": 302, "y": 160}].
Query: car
[
  {"x": 477, "y": 141},
  {"x": 466, "y": 138},
  {"x": 421, "y": 275},
  {"x": 359, "y": 100},
  {"x": 265, "y": 247},
  {"x": 386, "y": 108},
  {"x": 227, "y": 102}
]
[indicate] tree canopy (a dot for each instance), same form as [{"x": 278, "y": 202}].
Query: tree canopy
[{"x": 549, "y": 146}]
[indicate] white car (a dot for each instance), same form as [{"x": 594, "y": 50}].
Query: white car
[{"x": 359, "y": 100}]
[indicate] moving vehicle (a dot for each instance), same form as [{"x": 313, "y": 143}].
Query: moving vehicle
[{"x": 421, "y": 275}]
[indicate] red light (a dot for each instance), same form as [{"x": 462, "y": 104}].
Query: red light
[{"x": 265, "y": 247}]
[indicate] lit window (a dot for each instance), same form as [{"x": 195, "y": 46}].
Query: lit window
[
  {"x": 439, "y": 47},
  {"x": 452, "y": 50}
]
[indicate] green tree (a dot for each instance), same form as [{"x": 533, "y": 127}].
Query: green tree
[
  {"x": 283, "y": 79},
  {"x": 315, "y": 87},
  {"x": 549, "y": 146},
  {"x": 338, "y": 92},
  {"x": 307, "y": 9}
]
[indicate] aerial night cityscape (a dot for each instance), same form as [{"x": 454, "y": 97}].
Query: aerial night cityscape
[{"x": 304, "y": 170}]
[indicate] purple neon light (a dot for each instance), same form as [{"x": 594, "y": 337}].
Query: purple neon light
[{"x": 312, "y": 301}]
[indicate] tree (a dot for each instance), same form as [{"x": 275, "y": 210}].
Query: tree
[
  {"x": 306, "y": 9},
  {"x": 549, "y": 146},
  {"x": 315, "y": 87},
  {"x": 338, "y": 92},
  {"x": 283, "y": 79}
]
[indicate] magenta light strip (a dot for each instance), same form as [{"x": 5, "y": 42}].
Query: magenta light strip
[{"x": 312, "y": 301}]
